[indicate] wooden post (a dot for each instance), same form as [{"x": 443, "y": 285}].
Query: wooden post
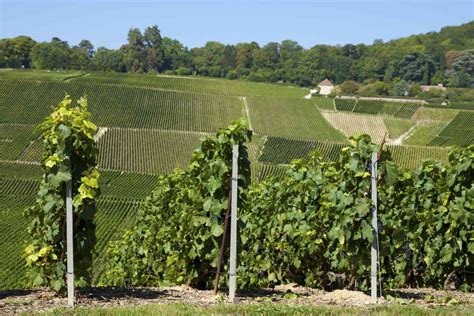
[
  {"x": 70, "y": 246},
  {"x": 233, "y": 225},
  {"x": 374, "y": 250}
]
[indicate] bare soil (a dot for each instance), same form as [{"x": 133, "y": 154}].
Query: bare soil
[{"x": 40, "y": 300}]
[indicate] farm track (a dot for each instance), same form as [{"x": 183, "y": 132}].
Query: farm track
[
  {"x": 247, "y": 112},
  {"x": 404, "y": 136}
]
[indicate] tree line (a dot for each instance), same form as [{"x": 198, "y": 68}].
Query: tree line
[{"x": 445, "y": 57}]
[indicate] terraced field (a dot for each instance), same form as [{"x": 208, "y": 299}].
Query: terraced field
[
  {"x": 12, "y": 224},
  {"x": 371, "y": 106},
  {"x": 460, "y": 105},
  {"x": 280, "y": 151}
]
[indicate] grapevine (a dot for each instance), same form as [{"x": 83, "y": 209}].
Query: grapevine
[{"x": 69, "y": 155}]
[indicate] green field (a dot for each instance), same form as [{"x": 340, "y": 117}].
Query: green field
[
  {"x": 14, "y": 138},
  {"x": 146, "y": 151},
  {"x": 324, "y": 103},
  {"x": 460, "y": 131},
  {"x": 280, "y": 150},
  {"x": 346, "y": 105},
  {"x": 121, "y": 106},
  {"x": 396, "y": 127},
  {"x": 149, "y": 125},
  {"x": 199, "y": 85},
  {"x": 377, "y": 107},
  {"x": 296, "y": 118}
]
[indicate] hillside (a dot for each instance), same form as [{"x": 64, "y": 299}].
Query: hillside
[{"x": 149, "y": 125}]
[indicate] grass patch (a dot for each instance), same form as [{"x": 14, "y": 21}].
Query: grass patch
[
  {"x": 396, "y": 127},
  {"x": 266, "y": 309},
  {"x": 425, "y": 133},
  {"x": 431, "y": 114}
]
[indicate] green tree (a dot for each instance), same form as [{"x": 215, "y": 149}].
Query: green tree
[
  {"x": 109, "y": 60},
  {"x": 53, "y": 55},
  {"x": 349, "y": 87},
  {"x": 461, "y": 71},
  {"x": 136, "y": 51},
  {"x": 154, "y": 49},
  {"x": 16, "y": 52},
  {"x": 418, "y": 67},
  {"x": 401, "y": 88}
]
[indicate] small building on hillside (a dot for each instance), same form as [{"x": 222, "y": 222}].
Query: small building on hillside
[
  {"x": 438, "y": 87},
  {"x": 325, "y": 87}
]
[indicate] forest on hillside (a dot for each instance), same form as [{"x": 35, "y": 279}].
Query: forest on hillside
[{"x": 445, "y": 57}]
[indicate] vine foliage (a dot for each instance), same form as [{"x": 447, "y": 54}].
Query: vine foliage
[
  {"x": 69, "y": 154},
  {"x": 311, "y": 227},
  {"x": 179, "y": 229}
]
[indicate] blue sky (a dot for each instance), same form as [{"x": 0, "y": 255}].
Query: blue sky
[{"x": 310, "y": 22}]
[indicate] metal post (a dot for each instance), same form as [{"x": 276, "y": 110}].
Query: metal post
[
  {"x": 373, "y": 253},
  {"x": 70, "y": 249},
  {"x": 233, "y": 226}
]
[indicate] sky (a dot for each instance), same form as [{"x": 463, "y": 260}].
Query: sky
[{"x": 193, "y": 23}]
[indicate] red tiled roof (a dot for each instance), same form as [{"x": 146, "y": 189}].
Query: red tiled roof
[{"x": 326, "y": 83}]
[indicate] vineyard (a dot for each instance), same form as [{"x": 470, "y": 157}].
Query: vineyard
[
  {"x": 13, "y": 139},
  {"x": 318, "y": 212},
  {"x": 324, "y": 103},
  {"x": 346, "y": 105},
  {"x": 374, "y": 107},
  {"x": 354, "y": 124},
  {"x": 460, "y": 131},
  {"x": 149, "y": 125},
  {"x": 280, "y": 150},
  {"x": 295, "y": 118},
  {"x": 396, "y": 127},
  {"x": 146, "y": 151},
  {"x": 160, "y": 82},
  {"x": 121, "y": 106}
]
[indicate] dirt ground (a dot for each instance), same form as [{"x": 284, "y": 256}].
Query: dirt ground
[{"x": 39, "y": 300}]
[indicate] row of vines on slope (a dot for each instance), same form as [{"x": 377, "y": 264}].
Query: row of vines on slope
[
  {"x": 178, "y": 231},
  {"x": 311, "y": 226},
  {"x": 70, "y": 155}
]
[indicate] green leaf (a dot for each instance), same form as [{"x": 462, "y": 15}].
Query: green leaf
[
  {"x": 367, "y": 231},
  {"x": 216, "y": 229},
  {"x": 62, "y": 175},
  {"x": 65, "y": 130},
  {"x": 213, "y": 184},
  {"x": 56, "y": 285}
]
